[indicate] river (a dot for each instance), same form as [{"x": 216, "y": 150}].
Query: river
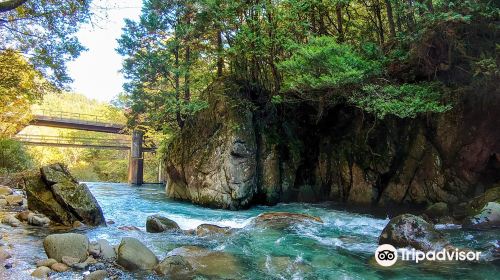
[{"x": 341, "y": 248}]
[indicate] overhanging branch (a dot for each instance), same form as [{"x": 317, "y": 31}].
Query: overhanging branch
[{"x": 9, "y": 5}]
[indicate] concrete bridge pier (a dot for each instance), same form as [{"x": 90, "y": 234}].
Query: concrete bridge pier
[{"x": 136, "y": 159}]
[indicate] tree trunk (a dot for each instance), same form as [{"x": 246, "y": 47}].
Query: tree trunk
[
  {"x": 390, "y": 17},
  {"x": 187, "y": 92},
  {"x": 340, "y": 22},
  {"x": 180, "y": 121},
  {"x": 220, "y": 57},
  {"x": 378, "y": 14}
]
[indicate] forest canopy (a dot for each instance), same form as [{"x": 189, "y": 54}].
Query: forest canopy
[{"x": 385, "y": 57}]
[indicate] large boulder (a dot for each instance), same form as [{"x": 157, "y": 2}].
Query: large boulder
[
  {"x": 62, "y": 245},
  {"x": 157, "y": 223},
  {"x": 55, "y": 193},
  {"x": 213, "y": 161},
  {"x": 133, "y": 255},
  {"x": 412, "y": 231},
  {"x": 212, "y": 264},
  {"x": 488, "y": 217},
  {"x": 175, "y": 267}
]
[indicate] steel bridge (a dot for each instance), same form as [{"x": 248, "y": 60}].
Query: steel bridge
[
  {"x": 87, "y": 122},
  {"x": 78, "y": 121}
]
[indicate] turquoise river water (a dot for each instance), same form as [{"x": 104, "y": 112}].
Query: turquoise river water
[{"x": 340, "y": 248}]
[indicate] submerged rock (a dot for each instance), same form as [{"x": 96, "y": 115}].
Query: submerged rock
[
  {"x": 283, "y": 219},
  {"x": 176, "y": 267},
  {"x": 55, "y": 193},
  {"x": 212, "y": 264},
  {"x": 133, "y": 255},
  {"x": 157, "y": 223},
  {"x": 66, "y": 244},
  {"x": 488, "y": 217},
  {"x": 208, "y": 229},
  {"x": 411, "y": 231}
]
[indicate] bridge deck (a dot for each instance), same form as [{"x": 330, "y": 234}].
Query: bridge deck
[
  {"x": 76, "y": 121},
  {"x": 78, "y": 142}
]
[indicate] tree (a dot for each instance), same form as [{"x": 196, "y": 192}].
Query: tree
[
  {"x": 44, "y": 32},
  {"x": 157, "y": 74}
]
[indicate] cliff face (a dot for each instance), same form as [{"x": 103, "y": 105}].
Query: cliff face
[
  {"x": 232, "y": 154},
  {"x": 213, "y": 162}
]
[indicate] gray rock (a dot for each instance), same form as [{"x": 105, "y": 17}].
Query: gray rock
[
  {"x": 41, "y": 272},
  {"x": 97, "y": 275},
  {"x": 107, "y": 251},
  {"x": 280, "y": 220},
  {"x": 3, "y": 202},
  {"x": 412, "y": 231},
  {"x": 46, "y": 262},
  {"x": 214, "y": 162},
  {"x": 4, "y": 255},
  {"x": 59, "y": 267},
  {"x": 4, "y": 190},
  {"x": 67, "y": 244},
  {"x": 208, "y": 229},
  {"x": 488, "y": 217},
  {"x": 133, "y": 255},
  {"x": 11, "y": 221},
  {"x": 38, "y": 220},
  {"x": 14, "y": 200},
  {"x": 70, "y": 261},
  {"x": 175, "y": 267},
  {"x": 55, "y": 193},
  {"x": 157, "y": 223},
  {"x": 95, "y": 249},
  {"x": 437, "y": 210}
]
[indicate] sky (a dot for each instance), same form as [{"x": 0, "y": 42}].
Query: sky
[{"x": 96, "y": 71}]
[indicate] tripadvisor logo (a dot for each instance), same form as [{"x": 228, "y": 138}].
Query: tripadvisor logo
[{"x": 387, "y": 255}]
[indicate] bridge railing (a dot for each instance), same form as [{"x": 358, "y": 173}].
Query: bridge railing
[
  {"x": 61, "y": 115},
  {"x": 82, "y": 141}
]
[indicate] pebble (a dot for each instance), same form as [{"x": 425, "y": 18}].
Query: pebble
[
  {"x": 59, "y": 267},
  {"x": 41, "y": 272},
  {"x": 70, "y": 261},
  {"x": 46, "y": 262}
]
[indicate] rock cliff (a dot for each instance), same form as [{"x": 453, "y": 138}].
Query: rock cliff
[{"x": 235, "y": 153}]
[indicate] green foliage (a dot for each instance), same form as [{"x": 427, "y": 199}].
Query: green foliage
[
  {"x": 20, "y": 86},
  {"x": 13, "y": 157},
  {"x": 404, "y": 101},
  {"x": 44, "y": 31},
  {"x": 323, "y": 64}
]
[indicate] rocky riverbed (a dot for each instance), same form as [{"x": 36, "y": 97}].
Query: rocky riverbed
[{"x": 149, "y": 236}]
